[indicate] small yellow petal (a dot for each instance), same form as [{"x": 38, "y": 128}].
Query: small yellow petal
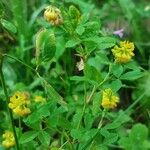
[
  {"x": 124, "y": 52},
  {"x": 109, "y": 100}
]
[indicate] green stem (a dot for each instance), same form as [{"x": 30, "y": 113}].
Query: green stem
[
  {"x": 7, "y": 102},
  {"x": 92, "y": 93},
  {"x": 53, "y": 93},
  {"x": 83, "y": 110},
  {"x": 134, "y": 103},
  {"x": 20, "y": 62},
  {"x": 90, "y": 142},
  {"x": 99, "y": 125},
  {"x": 101, "y": 121},
  {"x": 106, "y": 77}
]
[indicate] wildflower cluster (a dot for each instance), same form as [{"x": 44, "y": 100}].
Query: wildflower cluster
[
  {"x": 19, "y": 102},
  {"x": 53, "y": 15},
  {"x": 9, "y": 139},
  {"x": 109, "y": 100},
  {"x": 124, "y": 52}
]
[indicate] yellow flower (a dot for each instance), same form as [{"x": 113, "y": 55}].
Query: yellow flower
[
  {"x": 18, "y": 103},
  {"x": 109, "y": 100},
  {"x": 124, "y": 52},
  {"x": 39, "y": 99},
  {"x": 9, "y": 139},
  {"x": 53, "y": 15}
]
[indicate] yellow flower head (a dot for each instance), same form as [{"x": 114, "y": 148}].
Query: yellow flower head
[
  {"x": 9, "y": 139},
  {"x": 124, "y": 52},
  {"x": 18, "y": 103},
  {"x": 53, "y": 15},
  {"x": 109, "y": 100},
  {"x": 39, "y": 99}
]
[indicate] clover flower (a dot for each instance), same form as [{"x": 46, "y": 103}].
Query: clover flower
[
  {"x": 53, "y": 15},
  {"x": 19, "y": 102},
  {"x": 119, "y": 32},
  {"x": 39, "y": 99},
  {"x": 9, "y": 139},
  {"x": 124, "y": 52},
  {"x": 109, "y": 100}
]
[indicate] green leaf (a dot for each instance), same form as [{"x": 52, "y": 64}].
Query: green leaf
[
  {"x": 104, "y": 132},
  {"x": 102, "y": 42},
  {"x": 90, "y": 46},
  {"x": 116, "y": 85},
  {"x": 144, "y": 84},
  {"x": 37, "y": 115},
  {"x": 28, "y": 136},
  {"x": 113, "y": 125},
  {"x": 77, "y": 78},
  {"x": 109, "y": 137},
  {"x": 137, "y": 138},
  {"x": 77, "y": 134},
  {"x": 44, "y": 138},
  {"x": 95, "y": 62},
  {"x": 103, "y": 58},
  {"x": 91, "y": 29},
  {"x": 45, "y": 45},
  {"x": 19, "y": 13},
  {"x": 83, "y": 135},
  {"x": 112, "y": 138},
  {"x": 72, "y": 43},
  {"x": 9, "y": 26},
  {"x": 74, "y": 13},
  {"x": 132, "y": 75},
  {"x": 34, "y": 117},
  {"x": 122, "y": 117},
  {"x": 64, "y": 123},
  {"x": 60, "y": 46},
  {"x": 53, "y": 120},
  {"x": 106, "y": 42},
  {"x": 88, "y": 120},
  {"x": 96, "y": 103},
  {"x": 77, "y": 118},
  {"x": 88, "y": 134},
  {"x": 117, "y": 69},
  {"x": 80, "y": 30},
  {"x": 54, "y": 95},
  {"x": 132, "y": 65},
  {"x": 92, "y": 74},
  {"x": 139, "y": 133}
]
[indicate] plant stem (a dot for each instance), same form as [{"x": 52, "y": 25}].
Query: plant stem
[
  {"x": 7, "y": 101},
  {"x": 46, "y": 84},
  {"x": 135, "y": 102},
  {"x": 83, "y": 110},
  {"x": 90, "y": 142},
  {"x": 101, "y": 121},
  {"x": 92, "y": 93}
]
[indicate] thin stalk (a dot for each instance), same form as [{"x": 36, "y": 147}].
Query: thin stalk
[
  {"x": 7, "y": 102},
  {"x": 90, "y": 142},
  {"x": 53, "y": 93},
  {"x": 135, "y": 102},
  {"x": 106, "y": 77},
  {"x": 92, "y": 93},
  {"x": 83, "y": 110},
  {"x": 99, "y": 126},
  {"x": 20, "y": 62},
  {"x": 101, "y": 121}
]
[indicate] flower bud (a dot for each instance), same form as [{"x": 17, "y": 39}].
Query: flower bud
[{"x": 53, "y": 15}]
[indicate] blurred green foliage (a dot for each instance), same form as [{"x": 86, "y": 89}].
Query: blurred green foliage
[{"x": 42, "y": 59}]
